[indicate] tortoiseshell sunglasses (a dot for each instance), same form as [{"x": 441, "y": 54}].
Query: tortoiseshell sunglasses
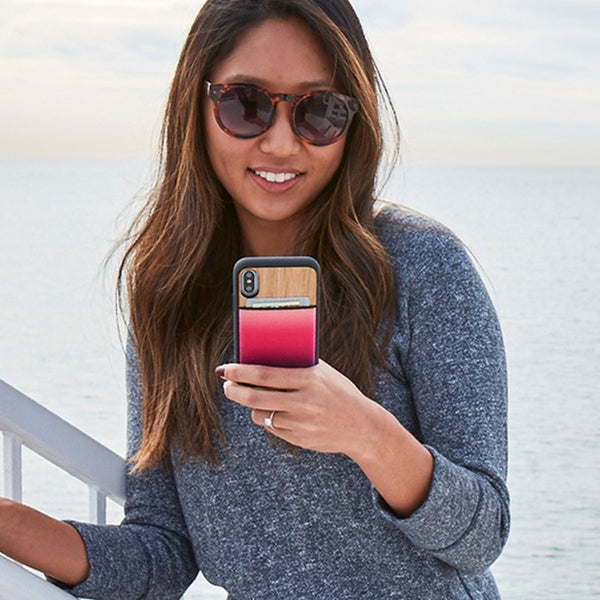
[{"x": 244, "y": 110}]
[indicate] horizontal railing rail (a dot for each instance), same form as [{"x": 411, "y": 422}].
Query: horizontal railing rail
[
  {"x": 17, "y": 583},
  {"x": 24, "y": 422}
]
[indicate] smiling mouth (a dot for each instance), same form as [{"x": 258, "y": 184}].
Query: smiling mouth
[{"x": 275, "y": 177}]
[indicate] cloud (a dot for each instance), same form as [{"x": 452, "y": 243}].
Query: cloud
[
  {"x": 87, "y": 77},
  {"x": 100, "y": 35},
  {"x": 467, "y": 34},
  {"x": 76, "y": 74},
  {"x": 466, "y": 74}
]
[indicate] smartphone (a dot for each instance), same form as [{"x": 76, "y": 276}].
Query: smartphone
[{"x": 276, "y": 310}]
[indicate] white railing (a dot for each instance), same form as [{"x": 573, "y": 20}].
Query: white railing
[
  {"x": 24, "y": 422},
  {"x": 16, "y": 583}
]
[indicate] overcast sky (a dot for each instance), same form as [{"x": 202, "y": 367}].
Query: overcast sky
[{"x": 474, "y": 81}]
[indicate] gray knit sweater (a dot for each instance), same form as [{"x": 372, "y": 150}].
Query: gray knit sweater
[{"x": 271, "y": 525}]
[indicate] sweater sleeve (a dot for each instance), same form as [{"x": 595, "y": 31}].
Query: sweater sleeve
[
  {"x": 149, "y": 555},
  {"x": 452, "y": 357}
]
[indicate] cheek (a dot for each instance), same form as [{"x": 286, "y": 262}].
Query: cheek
[{"x": 332, "y": 160}]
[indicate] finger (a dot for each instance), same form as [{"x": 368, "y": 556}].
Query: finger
[
  {"x": 266, "y": 399},
  {"x": 279, "y": 428},
  {"x": 274, "y": 421},
  {"x": 263, "y": 376}
]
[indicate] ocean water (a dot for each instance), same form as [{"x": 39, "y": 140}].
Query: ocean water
[{"x": 534, "y": 232}]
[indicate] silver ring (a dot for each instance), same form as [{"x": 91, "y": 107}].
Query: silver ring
[{"x": 269, "y": 420}]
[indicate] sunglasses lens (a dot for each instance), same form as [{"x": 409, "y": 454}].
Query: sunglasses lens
[
  {"x": 322, "y": 118},
  {"x": 245, "y": 111}
]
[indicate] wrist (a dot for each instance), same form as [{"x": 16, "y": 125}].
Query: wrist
[
  {"x": 398, "y": 466},
  {"x": 377, "y": 424}
]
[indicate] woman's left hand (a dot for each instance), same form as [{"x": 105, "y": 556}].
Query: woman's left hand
[{"x": 316, "y": 408}]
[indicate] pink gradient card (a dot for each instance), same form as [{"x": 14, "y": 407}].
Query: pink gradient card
[{"x": 284, "y": 337}]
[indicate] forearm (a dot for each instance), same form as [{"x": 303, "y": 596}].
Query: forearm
[
  {"x": 41, "y": 542},
  {"x": 399, "y": 467},
  {"x": 463, "y": 518}
]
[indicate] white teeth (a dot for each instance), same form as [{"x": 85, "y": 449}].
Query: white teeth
[{"x": 276, "y": 177}]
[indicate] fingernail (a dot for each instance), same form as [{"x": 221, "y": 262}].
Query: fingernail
[{"x": 220, "y": 371}]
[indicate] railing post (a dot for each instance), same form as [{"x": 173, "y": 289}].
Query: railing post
[
  {"x": 97, "y": 506},
  {"x": 13, "y": 468}
]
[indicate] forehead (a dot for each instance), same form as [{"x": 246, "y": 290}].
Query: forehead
[{"x": 284, "y": 53}]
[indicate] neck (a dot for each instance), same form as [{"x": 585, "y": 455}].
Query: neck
[
  {"x": 271, "y": 239},
  {"x": 267, "y": 245}
]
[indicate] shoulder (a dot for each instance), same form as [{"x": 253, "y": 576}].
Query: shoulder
[{"x": 416, "y": 243}]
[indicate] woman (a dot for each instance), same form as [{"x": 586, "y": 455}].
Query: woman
[{"x": 377, "y": 473}]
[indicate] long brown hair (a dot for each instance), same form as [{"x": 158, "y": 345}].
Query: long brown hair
[{"x": 185, "y": 241}]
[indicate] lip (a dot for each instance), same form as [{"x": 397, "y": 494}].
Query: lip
[{"x": 274, "y": 186}]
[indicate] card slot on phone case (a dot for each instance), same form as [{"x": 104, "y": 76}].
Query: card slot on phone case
[{"x": 269, "y": 303}]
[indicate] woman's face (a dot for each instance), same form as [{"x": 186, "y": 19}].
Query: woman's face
[{"x": 281, "y": 56}]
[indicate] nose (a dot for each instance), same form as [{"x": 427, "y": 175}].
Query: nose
[{"x": 280, "y": 139}]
